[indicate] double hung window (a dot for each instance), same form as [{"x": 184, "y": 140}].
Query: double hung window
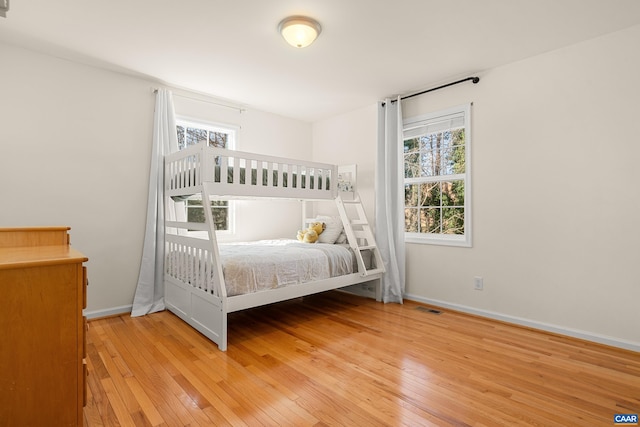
[
  {"x": 436, "y": 153},
  {"x": 193, "y": 132}
]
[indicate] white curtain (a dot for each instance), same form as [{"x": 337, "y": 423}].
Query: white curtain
[
  {"x": 390, "y": 199},
  {"x": 149, "y": 296}
]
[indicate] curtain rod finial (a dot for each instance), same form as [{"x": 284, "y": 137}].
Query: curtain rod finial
[{"x": 476, "y": 80}]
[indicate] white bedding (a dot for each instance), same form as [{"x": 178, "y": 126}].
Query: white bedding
[{"x": 269, "y": 264}]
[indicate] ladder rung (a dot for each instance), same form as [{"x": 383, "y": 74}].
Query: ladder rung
[
  {"x": 359, "y": 222},
  {"x": 367, "y": 247},
  {"x": 372, "y": 271}
]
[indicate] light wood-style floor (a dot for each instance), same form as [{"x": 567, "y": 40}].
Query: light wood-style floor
[{"x": 338, "y": 359}]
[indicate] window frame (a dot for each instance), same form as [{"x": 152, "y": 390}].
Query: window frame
[
  {"x": 231, "y": 145},
  {"x": 461, "y": 240}
]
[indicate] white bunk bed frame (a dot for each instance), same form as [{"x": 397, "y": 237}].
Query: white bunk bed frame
[{"x": 202, "y": 301}]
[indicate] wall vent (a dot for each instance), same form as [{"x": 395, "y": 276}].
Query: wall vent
[{"x": 428, "y": 310}]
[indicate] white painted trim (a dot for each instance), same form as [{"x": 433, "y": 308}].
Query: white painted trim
[
  {"x": 464, "y": 240},
  {"x": 575, "y": 333},
  {"x": 113, "y": 311}
]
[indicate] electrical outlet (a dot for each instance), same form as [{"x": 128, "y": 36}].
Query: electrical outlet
[{"x": 478, "y": 283}]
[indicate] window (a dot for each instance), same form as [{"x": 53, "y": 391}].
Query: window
[
  {"x": 190, "y": 133},
  {"x": 437, "y": 206},
  {"x": 219, "y": 209}
]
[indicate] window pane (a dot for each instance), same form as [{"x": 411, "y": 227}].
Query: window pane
[
  {"x": 429, "y": 142},
  {"x": 457, "y": 136},
  {"x": 445, "y": 140},
  {"x": 411, "y": 145},
  {"x": 430, "y": 194},
  {"x": 220, "y": 218},
  {"x": 430, "y": 146},
  {"x": 453, "y": 220},
  {"x": 430, "y": 163},
  {"x": 181, "y": 142},
  {"x": 219, "y": 209},
  {"x": 453, "y": 193},
  {"x": 453, "y": 160},
  {"x": 453, "y": 154},
  {"x": 411, "y": 195},
  {"x": 194, "y": 136},
  {"x": 430, "y": 220},
  {"x": 411, "y": 165},
  {"x": 411, "y": 220},
  {"x": 218, "y": 139},
  {"x": 195, "y": 215}
]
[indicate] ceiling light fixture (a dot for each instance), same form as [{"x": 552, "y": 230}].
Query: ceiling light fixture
[{"x": 299, "y": 31}]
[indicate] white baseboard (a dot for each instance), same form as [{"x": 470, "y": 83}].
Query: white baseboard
[
  {"x": 114, "y": 311},
  {"x": 588, "y": 336}
]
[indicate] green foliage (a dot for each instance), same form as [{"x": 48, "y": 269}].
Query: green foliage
[
  {"x": 433, "y": 205},
  {"x": 219, "y": 209}
]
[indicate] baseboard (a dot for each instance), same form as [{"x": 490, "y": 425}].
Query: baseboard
[
  {"x": 587, "y": 336},
  {"x": 107, "y": 312}
]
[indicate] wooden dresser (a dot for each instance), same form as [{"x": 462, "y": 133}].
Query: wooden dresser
[{"x": 42, "y": 330}]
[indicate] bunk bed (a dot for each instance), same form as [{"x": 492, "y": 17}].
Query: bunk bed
[{"x": 199, "y": 271}]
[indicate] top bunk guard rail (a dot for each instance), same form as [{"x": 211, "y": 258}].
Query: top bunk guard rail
[{"x": 223, "y": 172}]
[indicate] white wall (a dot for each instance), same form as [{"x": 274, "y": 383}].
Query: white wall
[
  {"x": 347, "y": 139},
  {"x": 554, "y": 157},
  {"x": 74, "y": 144},
  {"x": 74, "y": 150},
  {"x": 555, "y": 206}
]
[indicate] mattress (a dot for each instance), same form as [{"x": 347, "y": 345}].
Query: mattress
[{"x": 269, "y": 264}]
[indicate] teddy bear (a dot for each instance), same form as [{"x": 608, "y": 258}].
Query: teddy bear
[{"x": 310, "y": 235}]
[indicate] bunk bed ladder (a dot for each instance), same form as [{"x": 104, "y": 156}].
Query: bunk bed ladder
[
  {"x": 360, "y": 235},
  {"x": 218, "y": 275}
]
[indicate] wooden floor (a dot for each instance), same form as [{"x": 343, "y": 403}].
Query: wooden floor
[{"x": 338, "y": 359}]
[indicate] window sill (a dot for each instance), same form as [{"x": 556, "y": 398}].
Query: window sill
[{"x": 461, "y": 241}]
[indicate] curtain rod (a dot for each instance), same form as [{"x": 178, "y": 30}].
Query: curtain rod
[
  {"x": 208, "y": 101},
  {"x": 474, "y": 79}
]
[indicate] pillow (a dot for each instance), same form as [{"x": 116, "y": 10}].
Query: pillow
[
  {"x": 333, "y": 230},
  {"x": 342, "y": 238}
]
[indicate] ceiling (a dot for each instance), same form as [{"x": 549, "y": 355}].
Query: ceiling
[{"x": 368, "y": 49}]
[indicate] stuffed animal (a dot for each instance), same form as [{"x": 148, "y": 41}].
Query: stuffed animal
[{"x": 310, "y": 235}]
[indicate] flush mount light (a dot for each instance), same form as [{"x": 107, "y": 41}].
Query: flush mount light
[{"x": 299, "y": 31}]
